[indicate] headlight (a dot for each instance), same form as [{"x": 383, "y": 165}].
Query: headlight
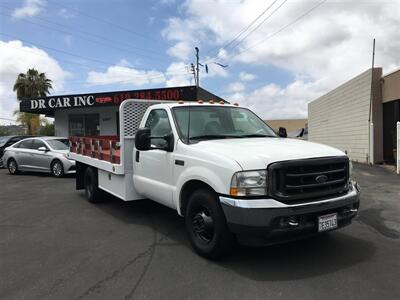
[
  {"x": 67, "y": 156},
  {"x": 249, "y": 183}
]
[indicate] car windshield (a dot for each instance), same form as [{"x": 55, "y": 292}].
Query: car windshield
[
  {"x": 58, "y": 144},
  {"x": 3, "y": 140},
  {"x": 219, "y": 122}
]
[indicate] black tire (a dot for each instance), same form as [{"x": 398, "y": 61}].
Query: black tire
[
  {"x": 12, "y": 166},
  {"x": 57, "y": 168},
  {"x": 206, "y": 225},
  {"x": 92, "y": 191}
]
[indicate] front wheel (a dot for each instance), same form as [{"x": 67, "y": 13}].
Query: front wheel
[
  {"x": 206, "y": 225},
  {"x": 57, "y": 169}
]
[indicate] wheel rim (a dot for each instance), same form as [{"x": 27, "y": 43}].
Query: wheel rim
[
  {"x": 203, "y": 225},
  {"x": 12, "y": 166},
  {"x": 57, "y": 169}
]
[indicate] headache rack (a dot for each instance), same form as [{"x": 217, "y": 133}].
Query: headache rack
[
  {"x": 296, "y": 180},
  {"x": 113, "y": 153}
]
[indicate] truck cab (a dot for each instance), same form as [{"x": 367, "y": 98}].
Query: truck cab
[{"x": 228, "y": 174}]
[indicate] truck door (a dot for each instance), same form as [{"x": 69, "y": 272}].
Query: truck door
[{"x": 153, "y": 168}]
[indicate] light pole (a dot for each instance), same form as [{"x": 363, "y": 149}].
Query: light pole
[{"x": 197, "y": 66}]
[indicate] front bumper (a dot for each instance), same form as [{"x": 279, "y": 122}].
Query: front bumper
[
  {"x": 69, "y": 166},
  {"x": 262, "y": 221}
]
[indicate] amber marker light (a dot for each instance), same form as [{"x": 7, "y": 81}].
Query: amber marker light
[
  {"x": 200, "y": 101},
  {"x": 234, "y": 191},
  {"x": 221, "y": 102},
  {"x": 181, "y": 102},
  {"x": 211, "y": 101}
]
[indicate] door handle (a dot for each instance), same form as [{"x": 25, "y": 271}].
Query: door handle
[
  {"x": 137, "y": 156},
  {"x": 179, "y": 162}
]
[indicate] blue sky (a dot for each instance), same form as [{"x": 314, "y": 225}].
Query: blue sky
[{"x": 277, "y": 66}]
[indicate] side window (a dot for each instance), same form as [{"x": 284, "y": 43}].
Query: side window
[
  {"x": 25, "y": 144},
  {"x": 37, "y": 144},
  {"x": 159, "y": 125},
  {"x": 15, "y": 139}
]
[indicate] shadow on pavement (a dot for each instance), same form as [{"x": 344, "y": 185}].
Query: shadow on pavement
[
  {"x": 39, "y": 174},
  {"x": 301, "y": 259}
]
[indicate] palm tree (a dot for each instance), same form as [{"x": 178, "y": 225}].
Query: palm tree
[{"x": 31, "y": 85}]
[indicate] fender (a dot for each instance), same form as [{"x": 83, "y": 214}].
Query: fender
[{"x": 220, "y": 183}]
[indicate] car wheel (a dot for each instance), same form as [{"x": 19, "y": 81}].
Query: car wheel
[
  {"x": 57, "y": 169},
  {"x": 12, "y": 166},
  {"x": 92, "y": 191},
  {"x": 206, "y": 225}
]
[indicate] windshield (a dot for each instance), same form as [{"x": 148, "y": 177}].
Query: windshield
[
  {"x": 59, "y": 144},
  {"x": 218, "y": 122},
  {"x": 3, "y": 140}
]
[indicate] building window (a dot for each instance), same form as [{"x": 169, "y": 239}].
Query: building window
[{"x": 84, "y": 125}]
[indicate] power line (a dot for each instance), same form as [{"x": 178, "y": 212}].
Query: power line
[
  {"x": 149, "y": 56},
  {"x": 281, "y": 29},
  {"x": 57, "y": 50},
  {"x": 108, "y": 23},
  {"x": 87, "y": 66},
  {"x": 96, "y": 36},
  {"x": 163, "y": 75},
  {"x": 6, "y": 119},
  {"x": 124, "y": 81},
  {"x": 258, "y": 26},
  {"x": 243, "y": 30},
  {"x": 278, "y": 31}
]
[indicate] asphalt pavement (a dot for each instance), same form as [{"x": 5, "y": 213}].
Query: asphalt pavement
[{"x": 56, "y": 245}]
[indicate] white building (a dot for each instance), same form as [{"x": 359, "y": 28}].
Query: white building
[{"x": 359, "y": 116}]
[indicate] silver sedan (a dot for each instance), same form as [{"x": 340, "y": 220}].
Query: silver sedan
[{"x": 41, "y": 154}]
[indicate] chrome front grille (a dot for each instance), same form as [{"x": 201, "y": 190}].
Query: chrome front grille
[{"x": 308, "y": 178}]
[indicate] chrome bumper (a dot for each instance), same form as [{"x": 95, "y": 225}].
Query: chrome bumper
[{"x": 353, "y": 192}]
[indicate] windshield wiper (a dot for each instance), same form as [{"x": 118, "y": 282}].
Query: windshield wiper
[
  {"x": 255, "y": 135},
  {"x": 213, "y": 136}
]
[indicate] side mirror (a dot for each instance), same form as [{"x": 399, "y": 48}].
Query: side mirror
[
  {"x": 169, "y": 138},
  {"x": 43, "y": 149},
  {"x": 282, "y": 132},
  {"x": 142, "y": 139}
]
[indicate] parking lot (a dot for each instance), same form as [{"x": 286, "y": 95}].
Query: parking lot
[{"x": 56, "y": 245}]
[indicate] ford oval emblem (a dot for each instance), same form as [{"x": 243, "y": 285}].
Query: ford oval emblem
[{"x": 321, "y": 178}]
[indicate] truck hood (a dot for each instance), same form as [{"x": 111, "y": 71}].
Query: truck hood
[{"x": 258, "y": 153}]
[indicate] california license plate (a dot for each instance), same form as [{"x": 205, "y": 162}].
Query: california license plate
[{"x": 327, "y": 222}]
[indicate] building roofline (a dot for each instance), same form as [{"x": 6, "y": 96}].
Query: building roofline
[{"x": 391, "y": 72}]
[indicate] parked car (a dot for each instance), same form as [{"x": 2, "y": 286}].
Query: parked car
[
  {"x": 7, "y": 141},
  {"x": 40, "y": 154}
]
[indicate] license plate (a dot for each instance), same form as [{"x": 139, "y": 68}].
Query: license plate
[{"x": 327, "y": 222}]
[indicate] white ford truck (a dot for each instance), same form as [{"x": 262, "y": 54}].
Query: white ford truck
[{"x": 221, "y": 168}]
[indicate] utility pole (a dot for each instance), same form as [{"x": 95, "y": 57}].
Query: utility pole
[
  {"x": 370, "y": 123},
  {"x": 197, "y": 66}
]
